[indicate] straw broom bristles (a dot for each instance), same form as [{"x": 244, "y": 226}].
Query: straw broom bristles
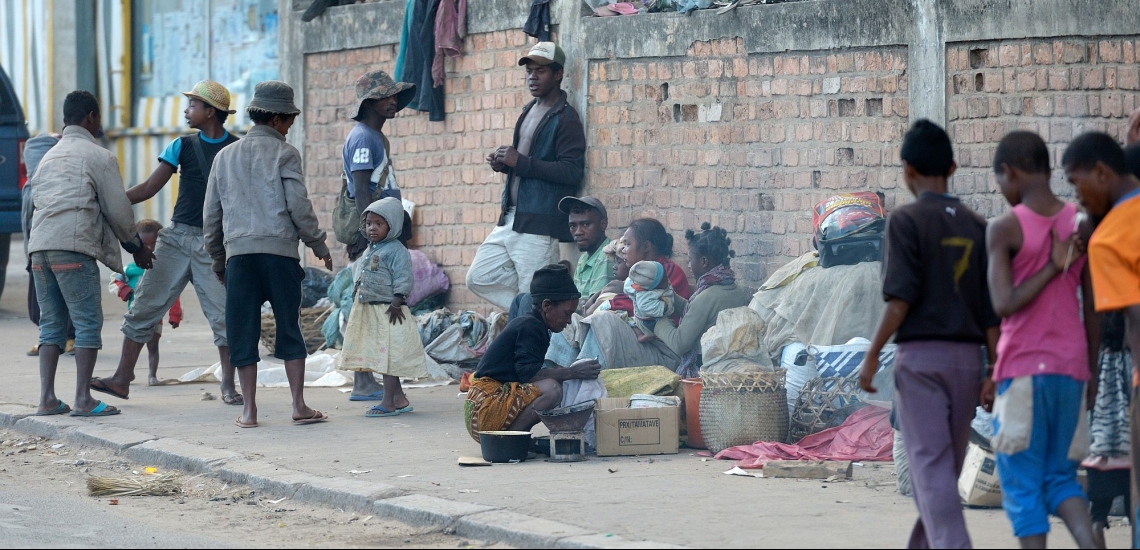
[{"x": 161, "y": 485}]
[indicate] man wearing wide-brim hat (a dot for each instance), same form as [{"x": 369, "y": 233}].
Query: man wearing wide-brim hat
[
  {"x": 256, "y": 210},
  {"x": 180, "y": 247},
  {"x": 368, "y": 170}
]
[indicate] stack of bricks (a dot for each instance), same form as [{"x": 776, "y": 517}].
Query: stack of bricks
[
  {"x": 747, "y": 142},
  {"x": 440, "y": 166},
  {"x": 1057, "y": 88}
]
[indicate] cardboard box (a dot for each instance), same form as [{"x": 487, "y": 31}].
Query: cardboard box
[
  {"x": 979, "y": 485},
  {"x": 623, "y": 431}
]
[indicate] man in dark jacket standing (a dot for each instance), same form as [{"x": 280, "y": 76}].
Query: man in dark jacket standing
[{"x": 544, "y": 165}]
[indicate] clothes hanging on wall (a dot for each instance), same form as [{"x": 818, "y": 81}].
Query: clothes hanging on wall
[
  {"x": 538, "y": 24},
  {"x": 450, "y": 30}
]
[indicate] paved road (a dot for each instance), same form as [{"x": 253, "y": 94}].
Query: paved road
[
  {"x": 44, "y": 516},
  {"x": 678, "y": 499}
]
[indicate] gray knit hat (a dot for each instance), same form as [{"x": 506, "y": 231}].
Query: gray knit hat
[
  {"x": 647, "y": 274},
  {"x": 273, "y": 96}
]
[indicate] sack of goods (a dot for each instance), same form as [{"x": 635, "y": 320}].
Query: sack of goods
[{"x": 849, "y": 229}]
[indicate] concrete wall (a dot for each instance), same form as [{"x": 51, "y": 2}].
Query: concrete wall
[{"x": 744, "y": 119}]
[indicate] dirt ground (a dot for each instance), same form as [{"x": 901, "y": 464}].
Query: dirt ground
[{"x": 234, "y": 514}]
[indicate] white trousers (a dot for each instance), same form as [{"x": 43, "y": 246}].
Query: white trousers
[{"x": 506, "y": 262}]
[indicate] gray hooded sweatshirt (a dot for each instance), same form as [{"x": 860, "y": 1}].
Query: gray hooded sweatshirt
[{"x": 386, "y": 268}]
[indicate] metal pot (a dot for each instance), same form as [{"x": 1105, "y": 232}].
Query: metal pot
[{"x": 504, "y": 446}]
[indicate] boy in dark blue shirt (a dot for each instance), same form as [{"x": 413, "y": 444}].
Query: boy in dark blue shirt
[{"x": 939, "y": 311}]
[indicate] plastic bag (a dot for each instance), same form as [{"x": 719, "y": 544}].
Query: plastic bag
[
  {"x": 465, "y": 340},
  {"x": 429, "y": 278},
  {"x": 736, "y": 335},
  {"x": 315, "y": 286}
]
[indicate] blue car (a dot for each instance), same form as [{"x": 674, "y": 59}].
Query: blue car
[{"x": 13, "y": 172}]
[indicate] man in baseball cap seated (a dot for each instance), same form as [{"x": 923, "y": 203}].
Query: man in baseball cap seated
[
  {"x": 588, "y": 223},
  {"x": 543, "y": 165}
]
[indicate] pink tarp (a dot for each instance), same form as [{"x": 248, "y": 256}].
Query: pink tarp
[{"x": 865, "y": 435}]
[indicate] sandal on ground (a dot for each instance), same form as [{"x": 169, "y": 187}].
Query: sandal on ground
[
  {"x": 61, "y": 408},
  {"x": 97, "y": 384},
  {"x": 379, "y": 411},
  {"x": 374, "y": 396},
  {"x": 102, "y": 409},
  {"x": 241, "y": 424},
  {"x": 318, "y": 416},
  {"x": 233, "y": 399}
]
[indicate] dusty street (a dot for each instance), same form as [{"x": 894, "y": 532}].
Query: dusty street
[
  {"x": 44, "y": 503},
  {"x": 679, "y": 499}
]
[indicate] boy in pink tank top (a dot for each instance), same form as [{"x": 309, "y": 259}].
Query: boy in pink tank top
[{"x": 1037, "y": 270}]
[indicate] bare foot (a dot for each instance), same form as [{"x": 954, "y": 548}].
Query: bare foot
[
  {"x": 153, "y": 381},
  {"x": 396, "y": 402}
]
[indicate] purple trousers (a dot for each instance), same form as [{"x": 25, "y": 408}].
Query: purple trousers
[{"x": 936, "y": 388}]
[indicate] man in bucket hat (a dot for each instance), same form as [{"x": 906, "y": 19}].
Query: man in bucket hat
[
  {"x": 181, "y": 256},
  {"x": 256, "y": 210},
  {"x": 544, "y": 164},
  {"x": 368, "y": 168},
  {"x": 368, "y": 172}
]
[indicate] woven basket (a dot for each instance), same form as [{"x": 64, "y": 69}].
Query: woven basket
[
  {"x": 820, "y": 399},
  {"x": 311, "y": 320},
  {"x": 743, "y": 408}
]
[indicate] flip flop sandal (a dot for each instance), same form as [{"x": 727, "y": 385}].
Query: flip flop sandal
[
  {"x": 102, "y": 409},
  {"x": 317, "y": 417},
  {"x": 407, "y": 409},
  {"x": 233, "y": 399},
  {"x": 375, "y": 396},
  {"x": 102, "y": 388},
  {"x": 61, "y": 408},
  {"x": 378, "y": 411},
  {"x": 241, "y": 424}
]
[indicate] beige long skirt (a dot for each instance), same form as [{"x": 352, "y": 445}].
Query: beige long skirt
[{"x": 373, "y": 344}]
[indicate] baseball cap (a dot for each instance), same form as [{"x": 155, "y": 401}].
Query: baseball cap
[
  {"x": 567, "y": 204},
  {"x": 545, "y": 53}
]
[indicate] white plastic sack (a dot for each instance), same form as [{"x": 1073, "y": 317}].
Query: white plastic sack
[
  {"x": 733, "y": 344},
  {"x": 736, "y": 335},
  {"x": 320, "y": 372}
]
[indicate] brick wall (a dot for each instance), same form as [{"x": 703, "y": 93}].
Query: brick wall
[
  {"x": 440, "y": 165},
  {"x": 747, "y": 142},
  {"x": 1058, "y": 88}
]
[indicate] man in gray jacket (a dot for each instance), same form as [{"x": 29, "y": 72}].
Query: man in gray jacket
[
  {"x": 256, "y": 210},
  {"x": 82, "y": 214}
]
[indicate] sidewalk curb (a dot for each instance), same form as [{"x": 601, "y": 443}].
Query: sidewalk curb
[{"x": 464, "y": 519}]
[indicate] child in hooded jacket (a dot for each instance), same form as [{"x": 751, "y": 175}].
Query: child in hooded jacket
[{"x": 382, "y": 335}]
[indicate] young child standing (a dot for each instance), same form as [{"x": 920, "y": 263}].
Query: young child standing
[
  {"x": 938, "y": 310},
  {"x": 382, "y": 335},
  {"x": 1035, "y": 275},
  {"x": 126, "y": 284},
  {"x": 652, "y": 297},
  {"x": 1096, "y": 166}
]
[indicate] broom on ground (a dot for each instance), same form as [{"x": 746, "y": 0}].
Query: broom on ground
[{"x": 162, "y": 485}]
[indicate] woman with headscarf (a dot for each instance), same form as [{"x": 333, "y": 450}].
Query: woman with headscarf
[
  {"x": 382, "y": 335},
  {"x": 510, "y": 385}
]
